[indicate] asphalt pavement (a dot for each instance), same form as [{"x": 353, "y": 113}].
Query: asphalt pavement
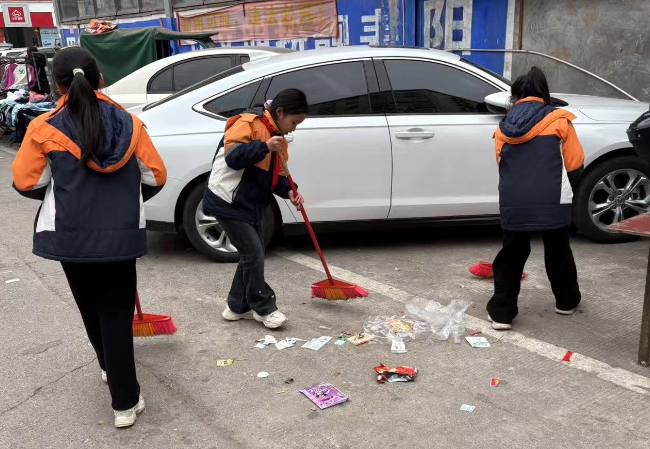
[{"x": 52, "y": 396}]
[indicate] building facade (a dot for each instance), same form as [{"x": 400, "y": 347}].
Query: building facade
[
  {"x": 308, "y": 24},
  {"x": 27, "y": 23},
  {"x": 598, "y": 35}
]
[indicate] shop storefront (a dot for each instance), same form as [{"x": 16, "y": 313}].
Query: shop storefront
[{"x": 27, "y": 24}]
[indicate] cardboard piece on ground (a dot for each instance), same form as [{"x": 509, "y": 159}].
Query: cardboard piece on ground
[
  {"x": 478, "y": 342},
  {"x": 360, "y": 339}
]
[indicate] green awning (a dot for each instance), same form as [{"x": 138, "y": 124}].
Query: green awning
[{"x": 123, "y": 51}]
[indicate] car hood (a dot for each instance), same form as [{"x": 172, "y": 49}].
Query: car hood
[{"x": 603, "y": 108}]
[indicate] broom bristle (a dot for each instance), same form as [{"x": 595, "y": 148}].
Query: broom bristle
[
  {"x": 337, "y": 292},
  {"x": 153, "y": 325}
]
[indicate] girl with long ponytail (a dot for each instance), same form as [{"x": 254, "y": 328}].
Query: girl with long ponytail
[{"x": 93, "y": 165}]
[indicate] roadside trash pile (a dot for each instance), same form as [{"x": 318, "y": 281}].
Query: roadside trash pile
[{"x": 423, "y": 320}]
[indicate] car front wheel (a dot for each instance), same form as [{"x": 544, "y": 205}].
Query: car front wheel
[
  {"x": 206, "y": 235},
  {"x": 613, "y": 191}
]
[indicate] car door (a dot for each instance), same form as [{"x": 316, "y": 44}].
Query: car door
[
  {"x": 187, "y": 73},
  {"x": 441, "y": 131},
  {"x": 340, "y": 156}
]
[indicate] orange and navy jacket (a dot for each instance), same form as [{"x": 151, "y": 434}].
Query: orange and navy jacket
[
  {"x": 92, "y": 212},
  {"x": 245, "y": 174},
  {"x": 540, "y": 161}
]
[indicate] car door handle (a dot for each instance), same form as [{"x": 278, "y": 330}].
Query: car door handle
[{"x": 414, "y": 134}]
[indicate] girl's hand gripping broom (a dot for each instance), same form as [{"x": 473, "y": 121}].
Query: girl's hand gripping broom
[{"x": 329, "y": 288}]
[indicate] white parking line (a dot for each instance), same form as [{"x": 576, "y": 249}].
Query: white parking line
[{"x": 604, "y": 371}]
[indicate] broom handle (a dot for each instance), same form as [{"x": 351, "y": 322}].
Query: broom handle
[
  {"x": 304, "y": 216},
  {"x": 137, "y": 305}
]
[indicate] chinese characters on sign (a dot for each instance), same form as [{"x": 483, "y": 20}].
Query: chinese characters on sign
[
  {"x": 16, "y": 15},
  {"x": 268, "y": 20}
]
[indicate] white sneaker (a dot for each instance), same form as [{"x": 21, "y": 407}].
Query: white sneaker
[
  {"x": 229, "y": 315},
  {"x": 104, "y": 377},
  {"x": 499, "y": 326},
  {"x": 126, "y": 418},
  {"x": 565, "y": 312},
  {"x": 272, "y": 321}
]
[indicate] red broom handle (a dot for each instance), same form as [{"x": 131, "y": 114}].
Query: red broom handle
[
  {"x": 304, "y": 216},
  {"x": 137, "y": 305}
]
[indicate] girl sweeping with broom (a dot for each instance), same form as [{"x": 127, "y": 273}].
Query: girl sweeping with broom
[
  {"x": 246, "y": 171},
  {"x": 93, "y": 165}
]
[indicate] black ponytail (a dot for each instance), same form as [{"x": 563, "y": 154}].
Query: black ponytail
[
  {"x": 76, "y": 70},
  {"x": 532, "y": 84}
]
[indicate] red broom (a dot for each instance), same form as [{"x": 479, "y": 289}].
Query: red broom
[
  {"x": 146, "y": 325},
  {"x": 329, "y": 288},
  {"x": 484, "y": 270}
]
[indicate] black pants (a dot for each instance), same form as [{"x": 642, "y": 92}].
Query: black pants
[
  {"x": 509, "y": 266},
  {"x": 105, "y": 295},
  {"x": 249, "y": 290}
]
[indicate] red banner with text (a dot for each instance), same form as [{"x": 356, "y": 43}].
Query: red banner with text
[{"x": 277, "y": 19}]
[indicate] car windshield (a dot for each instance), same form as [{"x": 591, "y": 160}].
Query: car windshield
[
  {"x": 494, "y": 74},
  {"x": 196, "y": 86}
]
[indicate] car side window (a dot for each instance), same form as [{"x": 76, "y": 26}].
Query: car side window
[
  {"x": 162, "y": 82},
  {"x": 421, "y": 87},
  {"x": 234, "y": 102},
  {"x": 191, "y": 72},
  {"x": 331, "y": 90}
]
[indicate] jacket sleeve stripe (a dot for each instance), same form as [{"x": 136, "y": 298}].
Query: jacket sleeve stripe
[
  {"x": 30, "y": 167},
  {"x": 151, "y": 165},
  {"x": 572, "y": 152}
]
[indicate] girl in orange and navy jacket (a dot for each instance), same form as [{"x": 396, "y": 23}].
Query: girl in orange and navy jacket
[
  {"x": 540, "y": 161},
  {"x": 93, "y": 165},
  {"x": 246, "y": 172}
]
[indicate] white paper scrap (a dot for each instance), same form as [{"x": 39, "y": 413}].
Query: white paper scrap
[
  {"x": 397, "y": 347},
  {"x": 284, "y": 344},
  {"x": 11, "y": 281},
  {"x": 317, "y": 343},
  {"x": 467, "y": 408}
]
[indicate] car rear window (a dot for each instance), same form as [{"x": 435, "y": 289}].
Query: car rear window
[{"x": 196, "y": 86}]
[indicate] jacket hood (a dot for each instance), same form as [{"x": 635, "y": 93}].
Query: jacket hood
[
  {"x": 252, "y": 114},
  {"x": 121, "y": 132},
  {"x": 527, "y": 119}
]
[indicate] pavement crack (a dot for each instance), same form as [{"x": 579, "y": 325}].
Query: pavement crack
[{"x": 39, "y": 389}]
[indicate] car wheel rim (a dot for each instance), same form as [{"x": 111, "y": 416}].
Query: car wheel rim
[
  {"x": 211, "y": 232},
  {"x": 620, "y": 195}
]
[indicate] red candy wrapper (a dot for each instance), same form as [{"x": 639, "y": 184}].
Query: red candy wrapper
[{"x": 396, "y": 374}]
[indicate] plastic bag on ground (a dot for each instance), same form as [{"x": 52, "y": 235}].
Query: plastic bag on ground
[
  {"x": 395, "y": 328},
  {"x": 445, "y": 321}
]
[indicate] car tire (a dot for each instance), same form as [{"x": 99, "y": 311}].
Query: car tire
[
  {"x": 207, "y": 240},
  {"x": 619, "y": 170}
]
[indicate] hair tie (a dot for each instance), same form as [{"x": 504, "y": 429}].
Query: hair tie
[
  {"x": 268, "y": 104},
  {"x": 78, "y": 71}
]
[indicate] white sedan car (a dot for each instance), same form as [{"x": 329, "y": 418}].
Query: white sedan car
[
  {"x": 166, "y": 76},
  {"x": 393, "y": 136}
]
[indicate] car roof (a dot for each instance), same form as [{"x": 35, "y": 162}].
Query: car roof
[
  {"x": 156, "y": 66},
  {"x": 164, "y": 62},
  {"x": 309, "y": 57}
]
